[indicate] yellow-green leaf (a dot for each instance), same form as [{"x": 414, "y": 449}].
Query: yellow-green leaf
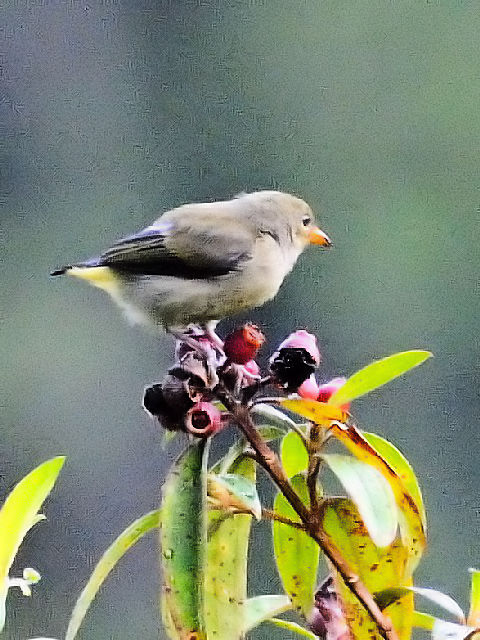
[
  {"x": 318, "y": 412},
  {"x": 410, "y": 519},
  {"x": 19, "y": 513},
  {"x": 372, "y": 494},
  {"x": 378, "y": 568},
  {"x": 296, "y": 554},
  {"x": 106, "y": 564},
  {"x": 377, "y": 374},
  {"x": 226, "y": 571},
  {"x": 474, "y": 614},
  {"x": 183, "y": 539},
  {"x": 294, "y": 454}
]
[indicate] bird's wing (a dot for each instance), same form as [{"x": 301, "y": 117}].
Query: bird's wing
[{"x": 187, "y": 247}]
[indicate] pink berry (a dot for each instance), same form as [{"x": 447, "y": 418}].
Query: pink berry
[
  {"x": 328, "y": 389},
  {"x": 309, "y": 388},
  {"x": 203, "y": 420}
]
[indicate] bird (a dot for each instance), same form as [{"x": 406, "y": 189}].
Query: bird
[{"x": 202, "y": 262}]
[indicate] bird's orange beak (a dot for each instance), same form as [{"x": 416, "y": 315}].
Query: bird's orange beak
[{"x": 317, "y": 236}]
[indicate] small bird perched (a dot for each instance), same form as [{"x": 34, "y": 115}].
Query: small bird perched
[{"x": 199, "y": 263}]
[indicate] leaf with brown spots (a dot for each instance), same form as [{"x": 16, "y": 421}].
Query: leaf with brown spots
[{"x": 378, "y": 568}]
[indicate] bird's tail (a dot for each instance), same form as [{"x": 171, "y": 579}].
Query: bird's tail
[
  {"x": 92, "y": 271},
  {"x": 61, "y": 271}
]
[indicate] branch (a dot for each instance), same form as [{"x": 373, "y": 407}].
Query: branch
[{"x": 270, "y": 462}]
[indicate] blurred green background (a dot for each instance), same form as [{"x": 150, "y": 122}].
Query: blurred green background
[{"x": 114, "y": 111}]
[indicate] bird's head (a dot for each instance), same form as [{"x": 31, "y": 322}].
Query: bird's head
[{"x": 290, "y": 218}]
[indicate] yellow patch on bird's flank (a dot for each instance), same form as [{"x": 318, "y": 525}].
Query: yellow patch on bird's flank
[{"x": 101, "y": 277}]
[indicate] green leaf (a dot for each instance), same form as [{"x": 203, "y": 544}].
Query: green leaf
[
  {"x": 377, "y": 374},
  {"x": 183, "y": 539},
  {"x": 294, "y": 627},
  {"x": 371, "y": 493},
  {"x": 226, "y": 574},
  {"x": 259, "y": 609},
  {"x": 294, "y": 454},
  {"x": 378, "y": 568},
  {"x": 401, "y": 467},
  {"x": 474, "y": 614},
  {"x": 231, "y": 490},
  {"x": 19, "y": 514},
  {"x": 296, "y": 554},
  {"x": 107, "y": 562}
]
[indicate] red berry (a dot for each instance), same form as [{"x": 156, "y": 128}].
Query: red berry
[{"x": 243, "y": 343}]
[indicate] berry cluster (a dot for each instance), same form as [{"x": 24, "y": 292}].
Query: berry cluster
[{"x": 185, "y": 399}]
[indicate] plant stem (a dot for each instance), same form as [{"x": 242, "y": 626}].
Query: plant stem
[
  {"x": 270, "y": 462},
  {"x": 268, "y": 514}
]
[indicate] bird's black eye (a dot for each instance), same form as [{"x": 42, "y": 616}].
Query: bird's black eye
[{"x": 306, "y": 221}]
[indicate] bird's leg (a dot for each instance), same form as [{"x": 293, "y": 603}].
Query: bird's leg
[
  {"x": 194, "y": 339},
  {"x": 212, "y": 336}
]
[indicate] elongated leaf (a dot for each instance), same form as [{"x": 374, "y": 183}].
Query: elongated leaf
[
  {"x": 226, "y": 575},
  {"x": 379, "y": 569},
  {"x": 231, "y": 490},
  {"x": 401, "y": 467},
  {"x": 259, "y": 609},
  {"x": 371, "y": 493},
  {"x": 296, "y": 554},
  {"x": 377, "y": 374},
  {"x": 474, "y": 614},
  {"x": 294, "y": 455},
  {"x": 107, "y": 562},
  {"x": 410, "y": 520},
  {"x": 318, "y": 412},
  {"x": 294, "y": 627},
  {"x": 19, "y": 513},
  {"x": 183, "y": 538},
  {"x": 442, "y": 600}
]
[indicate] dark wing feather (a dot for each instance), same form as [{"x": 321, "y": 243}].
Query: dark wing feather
[{"x": 185, "y": 251}]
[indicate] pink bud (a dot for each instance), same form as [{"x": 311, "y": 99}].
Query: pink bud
[
  {"x": 203, "y": 420},
  {"x": 328, "y": 389},
  {"x": 309, "y": 388},
  {"x": 243, "y": 343},
  {"x": 252, "y": 367},
  {"x": 301, "y": 339}
]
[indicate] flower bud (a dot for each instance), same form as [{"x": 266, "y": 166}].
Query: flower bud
[
  {"x": 309, "y": 388},
  {"x": 243, "y": 343},
  {"x": 252, "y": 368},
  {"x": 203, "y": 420},
  {"x": 328, "y": 389},
  {"x": 327, "y": 620},
  {"x": 301, "y": 339},
  {"x": 295, "y": 360}
]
